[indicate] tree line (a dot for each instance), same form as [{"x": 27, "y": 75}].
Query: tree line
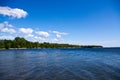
[{"x": 19, "y": 42}]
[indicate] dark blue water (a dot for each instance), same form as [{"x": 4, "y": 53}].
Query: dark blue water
[{"x": 60, "y": 64}]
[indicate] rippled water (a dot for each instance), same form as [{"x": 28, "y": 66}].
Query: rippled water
[{"x": 60, "y": 64}]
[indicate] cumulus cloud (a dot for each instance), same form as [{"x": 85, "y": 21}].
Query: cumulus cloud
[
  {"x": 54, "y": 40},
  {"x": 43, "y": 33},
  {"x": 27, "y": 31},
  {"x": 13, "y": 12},
  {"x": 7, "y": 37},
  {"x": 5, "y": 24},
  {"x": 6, "y": 27},
  {"x": 30, "y": 35},
  {"x": 1, "y": 25},
  {"x": 9, "y": 30},
  {"x": 38, "y": 38},
  {"x": 60, "y": 33}
]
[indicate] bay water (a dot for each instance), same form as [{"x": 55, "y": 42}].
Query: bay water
[{"x": 60, "y": 64}]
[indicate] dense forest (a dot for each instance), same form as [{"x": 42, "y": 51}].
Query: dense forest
[{"x": 19, "y": 42}]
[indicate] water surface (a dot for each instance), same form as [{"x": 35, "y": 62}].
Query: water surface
[{"x": 60, "y": 64}]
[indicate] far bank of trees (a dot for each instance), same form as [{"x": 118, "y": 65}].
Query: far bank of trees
[{"x": 19, "y": 42}]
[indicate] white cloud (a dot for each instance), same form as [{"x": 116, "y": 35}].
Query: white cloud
[
  {"x": 57, "y": 32},
  {"x": 4, "y": 24},
  {"x": 27, "y": 31},
  {"x": 43, "y": 33},
  {"x": 58, "y": 35},
  {"x": 54, "y": 40},
  {"x": 9, "y": 30},
  {"x": 13, "y": 12},
  {"x": 38, "y": 38},
  {"x": 7, "y": 37},
  {"x": 6, "y": 27},
  {"x": 1, "y": 25},
  {"x": 7, "y": 24},
  {"x": 30, "y": 35}
]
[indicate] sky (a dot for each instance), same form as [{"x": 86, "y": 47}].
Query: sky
[{"x": 81, "y": 22}]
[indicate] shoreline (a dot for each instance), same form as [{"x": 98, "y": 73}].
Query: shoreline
[{"x": 49, "y": 48}]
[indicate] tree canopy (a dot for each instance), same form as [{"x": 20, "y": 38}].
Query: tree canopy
[{"x": 19, "y": 42}]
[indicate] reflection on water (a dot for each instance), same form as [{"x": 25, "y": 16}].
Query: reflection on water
[{"x": 60, "y": 64}]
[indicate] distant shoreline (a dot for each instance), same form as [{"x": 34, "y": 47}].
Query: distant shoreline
[
  {"x": 21, "y": 43},
  {"x": 59, "y": 48},
  {"x": 43, "y": 48}
]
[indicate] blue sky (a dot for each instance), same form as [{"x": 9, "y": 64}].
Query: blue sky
[{"x": 84, "y": 22}]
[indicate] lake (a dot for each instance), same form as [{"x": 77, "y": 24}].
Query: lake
[{"x": 60, "y": 64}]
